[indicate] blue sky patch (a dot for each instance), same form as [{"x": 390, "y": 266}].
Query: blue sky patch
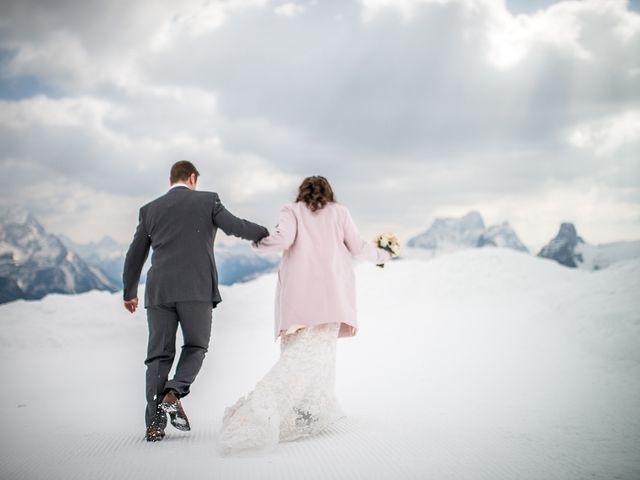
[{"x": 21, "y": 87}]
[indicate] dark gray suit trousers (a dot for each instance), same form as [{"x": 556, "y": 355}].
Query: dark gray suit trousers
[{"x": 194, "y": 319}]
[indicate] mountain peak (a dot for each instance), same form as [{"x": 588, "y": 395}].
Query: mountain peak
[
  {"x": 570, "y": 250},
  {"x": 15, "y": 214},
  {"x": 501, "y": 235},
  {"x": 468, "y": 231},
  {"x": 107, "y": 241},
  {"x": 35, "y": 263},
  {"x": 569, "y": 232},
  {"x": 449, "y": 233},
  {"x": 473, "y": 217},
  {"x": 562, "y": 248}
]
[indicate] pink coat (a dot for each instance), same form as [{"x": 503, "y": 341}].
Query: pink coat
[{"x": 316, "y": 282}]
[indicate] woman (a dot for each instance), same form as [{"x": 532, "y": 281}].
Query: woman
[{"x": 315, "y": 304}]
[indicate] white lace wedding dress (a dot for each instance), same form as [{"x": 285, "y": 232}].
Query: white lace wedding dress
[{"x": 295, "y": 398}]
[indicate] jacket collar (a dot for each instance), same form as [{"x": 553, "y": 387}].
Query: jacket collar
[{"x": 178, "y": 186}]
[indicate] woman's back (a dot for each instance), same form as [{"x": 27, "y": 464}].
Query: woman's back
[
  {"x": 316, "y": 283},
  {"x": 320, "y": 238}
]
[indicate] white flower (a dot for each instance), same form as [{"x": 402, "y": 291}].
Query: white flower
[{"x": 389, "y": 241}]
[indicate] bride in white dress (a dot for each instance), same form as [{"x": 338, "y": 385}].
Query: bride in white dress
[{"x": 315, "y": 304}]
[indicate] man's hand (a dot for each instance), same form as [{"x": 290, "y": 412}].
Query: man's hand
[{"x": 131, "y": 305}]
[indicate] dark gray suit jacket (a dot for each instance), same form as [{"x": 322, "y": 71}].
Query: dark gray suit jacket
[{"x": 180, "y": 227}]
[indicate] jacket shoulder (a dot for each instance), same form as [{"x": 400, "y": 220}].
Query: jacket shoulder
[
  {"x": 297, "y": 209},
  {"x": 341, "y": 214},
  {"x": 340, "y": 210},
  {"x": 206, "y": 196},
  {"x": 150, "y": 205},
  {"x": 301, "y": 208}
]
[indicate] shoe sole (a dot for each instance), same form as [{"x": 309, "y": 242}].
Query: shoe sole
[
  {"x": 155, "y": 438},
  {"x": 172, "y": 410},
  {"x": 169, "y": 407}
]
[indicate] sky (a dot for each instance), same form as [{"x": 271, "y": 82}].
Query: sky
[{"x": 526, "y": 111}]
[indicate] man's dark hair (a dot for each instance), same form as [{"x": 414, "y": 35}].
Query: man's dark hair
[{"x": 182, "y": 170}]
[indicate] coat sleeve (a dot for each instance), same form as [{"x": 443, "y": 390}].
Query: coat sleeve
[
  {"x": 359, "y": 247},
  {"x": 232, "y": 225},
  {"x": 283, "y": 235},
  {"x": 134, "y": 261}
]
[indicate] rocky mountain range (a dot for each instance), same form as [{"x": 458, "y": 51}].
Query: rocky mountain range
[
  {"x": 451, "y": 234},
  {"x": 569, "y": 249},
  {"x": 235, "y": 263},
  {"x": 105, "y": 254},
  {"x": 239, "y": 263},
  {"x": 34, "y": 263}
]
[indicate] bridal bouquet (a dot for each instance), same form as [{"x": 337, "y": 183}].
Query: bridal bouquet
[{"x": 389, "y": 242}]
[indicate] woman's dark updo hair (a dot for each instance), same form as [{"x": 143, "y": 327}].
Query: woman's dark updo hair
[{"x": 315, "y": 192}]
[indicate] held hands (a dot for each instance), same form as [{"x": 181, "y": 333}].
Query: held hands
[{"x": 131, "y": 305}]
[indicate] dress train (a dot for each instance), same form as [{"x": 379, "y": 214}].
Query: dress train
[{"x": 294, "y": 399}]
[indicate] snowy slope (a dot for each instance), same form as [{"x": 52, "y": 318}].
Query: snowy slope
[
  {"x": 569, "y": 249},
  {"x": 595, "y": 257},
  {"x": 483, "y": 364}
]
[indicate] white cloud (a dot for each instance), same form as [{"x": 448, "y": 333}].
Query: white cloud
[
  {"x": 559, "y": 27},
  {"x": 64, "y": 58},
  {"x": 256, "y": 177},
  {"x": 405, "y": 8},
  {"x": 411, "y": 108},
  {"x": 195, "y": 18},
  {"x": 587, "y": 204},
  {"x": 289, "y": 9},
  {"x": 41, "y": 111},
  {"x": 607, "y": 136}
]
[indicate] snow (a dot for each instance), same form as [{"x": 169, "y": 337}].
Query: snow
[
  {"x": 13, "y": 213},
  {"x": 17, "y": 254},
  {"x": 595, "y": 257},
  {"x": 28, "y": 242},
  {"x": 501, "y": 235},
  {"x": 481, "y": 364},
  {"x": 446, "y": 235},
  {"x": 39, "y": 263}
]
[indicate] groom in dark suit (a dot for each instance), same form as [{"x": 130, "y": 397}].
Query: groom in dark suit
[{"x": 181, "y": 288}]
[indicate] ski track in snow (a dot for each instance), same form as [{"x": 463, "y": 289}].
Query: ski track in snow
[{"x": 487, "y": 364}]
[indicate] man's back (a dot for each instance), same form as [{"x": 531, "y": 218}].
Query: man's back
[{"x": 180, "y": 227}]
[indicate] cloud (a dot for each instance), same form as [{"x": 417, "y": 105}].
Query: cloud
[
  {"x": 289, "y": 9},
  {"x": 608, "y": 136},
  {"x": 411, "y": 108}
]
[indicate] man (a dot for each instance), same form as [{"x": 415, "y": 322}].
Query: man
[{"x": 181, "y": 289}]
